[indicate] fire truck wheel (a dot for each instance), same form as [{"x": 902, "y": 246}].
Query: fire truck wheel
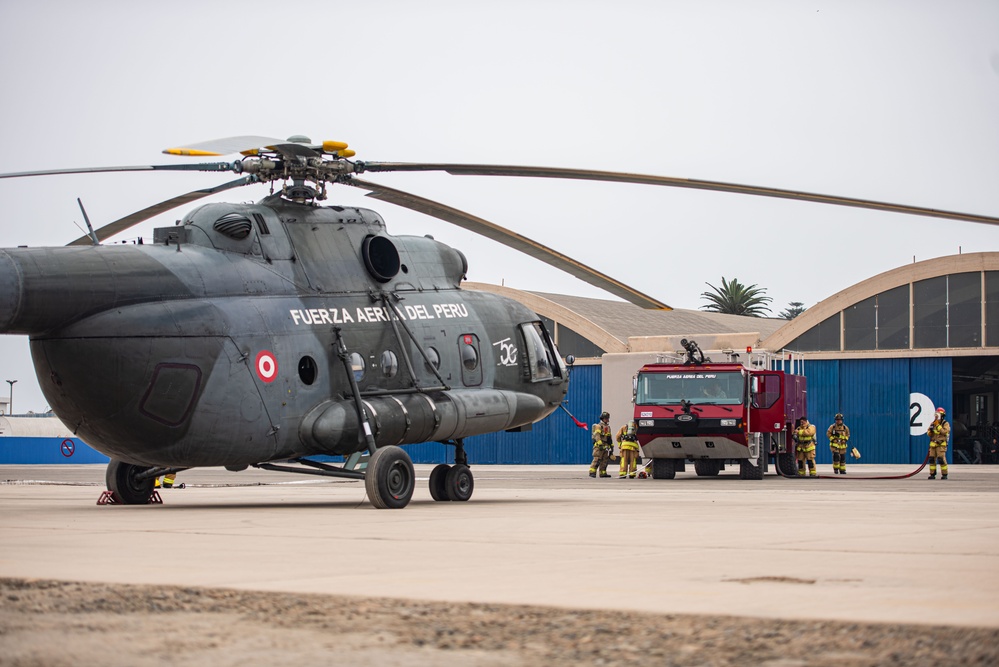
[
  {"x": 663, "y": 468},
  {"x": 707, "y": 467},
  {"x": 751, "y": 469},
  {"x": 787, "y": 464}
]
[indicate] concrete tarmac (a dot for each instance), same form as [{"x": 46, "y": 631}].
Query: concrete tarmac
[{"x": 847, "y": 548}]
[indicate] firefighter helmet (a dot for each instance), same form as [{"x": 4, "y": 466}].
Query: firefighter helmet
[
  {"x": 604, "y": 415},
  {"x": 839, "y": 415},
  {"x": 941, "y": 411}
]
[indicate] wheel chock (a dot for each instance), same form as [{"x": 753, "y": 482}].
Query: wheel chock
[{"x": 109, "y": 498}]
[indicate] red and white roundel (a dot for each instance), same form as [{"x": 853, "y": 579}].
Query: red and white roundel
[{"x": 267, "y": 366}]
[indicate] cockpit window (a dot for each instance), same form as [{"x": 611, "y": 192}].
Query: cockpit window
[{"x": 542, "y": 358}]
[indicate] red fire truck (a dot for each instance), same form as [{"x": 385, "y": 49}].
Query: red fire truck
[{"x": 716, "y": 414}]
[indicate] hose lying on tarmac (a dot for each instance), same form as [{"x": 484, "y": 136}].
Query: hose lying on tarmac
[{"x": 794, "y": 475}]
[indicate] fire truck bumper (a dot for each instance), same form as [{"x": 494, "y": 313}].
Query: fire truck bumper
[{"x": 683, "y": 447}]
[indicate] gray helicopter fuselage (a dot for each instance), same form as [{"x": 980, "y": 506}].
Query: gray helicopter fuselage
[{"x": 217, "y": 345}]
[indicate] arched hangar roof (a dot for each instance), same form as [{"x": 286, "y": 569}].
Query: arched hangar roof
[
  {"x": 610, "y": 324},
  {"x": 978, "y": 271}
]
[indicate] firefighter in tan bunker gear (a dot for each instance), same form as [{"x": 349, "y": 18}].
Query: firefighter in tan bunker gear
[
  {"x": 939, "y": 432},
  {"x": 804, "y": 435},
  {"x": 839, "y": 436},
  {"x": 627, "y": 440},
  {"x": 168, "y": 482},
  {"x": 603, "y": 445}
]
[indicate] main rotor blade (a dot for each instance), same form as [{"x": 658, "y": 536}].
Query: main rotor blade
[
  {"x": 509, "y": 238},
  {"x": 197, "y": 166},
  {"x": 118, "y": 226},
  {"x": 225, "y": 145},
  {"x": 244, "y": 144},
  {"x": 717, "y": 186}
]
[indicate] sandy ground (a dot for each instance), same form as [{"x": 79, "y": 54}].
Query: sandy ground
[{"x": 55, "y": 623}]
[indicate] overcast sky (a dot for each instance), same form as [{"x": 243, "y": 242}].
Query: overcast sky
[{"x": 895, "y": 101}]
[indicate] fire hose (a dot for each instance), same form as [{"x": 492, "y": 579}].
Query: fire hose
[{"x": 794, "y": 475}]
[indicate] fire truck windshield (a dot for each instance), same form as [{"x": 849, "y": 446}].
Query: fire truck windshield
[{"x": 695, "y": 387}]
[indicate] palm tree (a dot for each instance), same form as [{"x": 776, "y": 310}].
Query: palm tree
[
  {"x": 794, "y": 308},
  {"x": 734, "y": 298}
]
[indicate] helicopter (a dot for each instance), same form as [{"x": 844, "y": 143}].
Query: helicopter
[{"x": 273, "y": 334}]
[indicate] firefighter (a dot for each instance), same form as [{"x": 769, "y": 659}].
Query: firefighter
[
  {"x": 168, "y": 482},
  {"x": 839, "y": 436},
  {"x": 628, "y": 442},
  {"x": 804, "y": 435},
  {"x": 603, "y": 445},
  {"x": 939, "y": 432}
]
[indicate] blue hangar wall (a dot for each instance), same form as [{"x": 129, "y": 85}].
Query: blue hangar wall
[
  {"x": 877, "y": 398},
  {"x": 20, "y": 450}
]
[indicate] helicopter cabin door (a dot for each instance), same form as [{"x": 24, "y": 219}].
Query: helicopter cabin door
[{"x": 471, "y": 360}]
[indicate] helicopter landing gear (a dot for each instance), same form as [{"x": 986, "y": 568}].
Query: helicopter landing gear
[
  {"x": 438, "y": 482},
  {"x": 390, "y": 479},
  {"x": 124, "y": 481},
  {"x": 459, "y": 482},
  {"x": 453, "y": 482}
]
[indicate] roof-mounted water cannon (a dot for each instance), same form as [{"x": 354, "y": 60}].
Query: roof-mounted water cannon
[{"x": 694, "y": 353}]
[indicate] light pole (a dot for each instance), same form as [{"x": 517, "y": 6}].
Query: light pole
[{"x": 10, "y": 406}]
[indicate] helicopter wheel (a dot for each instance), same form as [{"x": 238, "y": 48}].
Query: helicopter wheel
[
  {"x": 389, "y": 479},
  {"x": 459, "y": 483},
  {"x": 121, "y": 479},
  {"x": 438, "y": 482}
]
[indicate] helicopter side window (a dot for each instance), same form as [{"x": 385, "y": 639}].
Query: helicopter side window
[
  {"x": 468, "y": 351},
  {"x": 469, "y": 356},
  {"x": 307, "y": 370},
  {"x": 357, "y": 365},
  {"x": 435, "y": 359},
  {"x": 390, "y": 364},
  {"x": 539, "y": 356}
]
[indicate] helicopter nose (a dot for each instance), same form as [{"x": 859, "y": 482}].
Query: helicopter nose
[{"x": 10, "y": 291}]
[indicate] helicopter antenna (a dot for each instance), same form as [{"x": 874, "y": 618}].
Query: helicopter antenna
[{"x": 86, "y": 219}]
